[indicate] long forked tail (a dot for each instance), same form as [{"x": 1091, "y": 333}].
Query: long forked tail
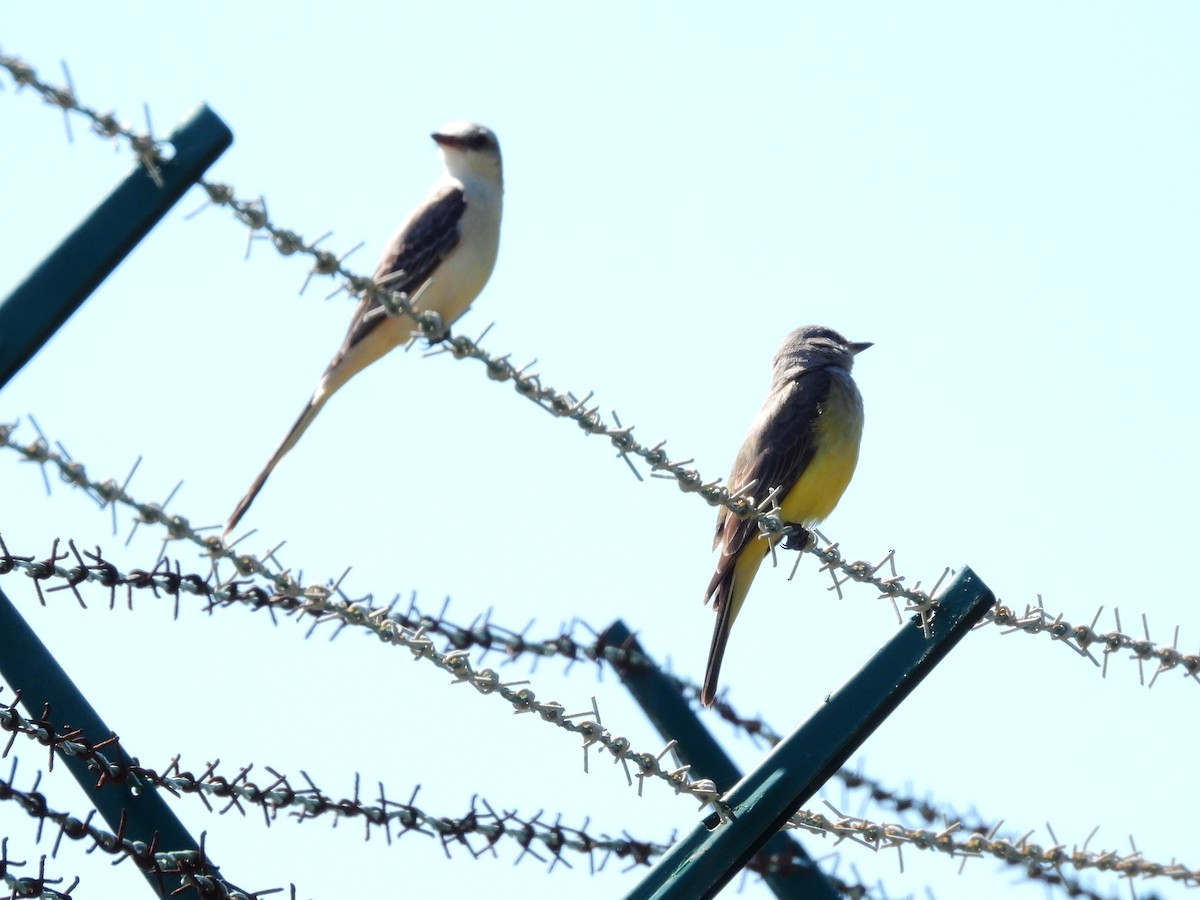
[{"x": 306, "y": 418}]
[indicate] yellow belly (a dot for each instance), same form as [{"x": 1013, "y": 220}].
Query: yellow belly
[
  {"x": 817, "y": 490},
  {"x": 823, "y": 482}
]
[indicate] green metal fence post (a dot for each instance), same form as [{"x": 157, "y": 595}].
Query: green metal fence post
[
  {"x": 675, "y": 720},
  {"x": 29, "y": 316},
  {"x": 28, "y": 666},
  {"x": 702, "y": 862},
  {"x": 39, "y": 306}
]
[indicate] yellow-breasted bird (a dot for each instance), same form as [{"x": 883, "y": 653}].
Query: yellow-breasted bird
[{"x": 805, "y": 441}]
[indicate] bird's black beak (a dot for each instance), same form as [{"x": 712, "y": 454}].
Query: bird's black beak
[
  {"x": 860, "y": 346},
  {"x": 450, "y": 140}
]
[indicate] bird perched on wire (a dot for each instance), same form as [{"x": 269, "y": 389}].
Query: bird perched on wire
[
  {"x": 805, "y": 442},
  {"x": 440, "y": 257}
]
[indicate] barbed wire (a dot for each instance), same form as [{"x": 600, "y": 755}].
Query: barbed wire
[
  {"x": 489, "y": 828},
  {"x": 381, "y": 622},
  {"x": 563, "y": 404},
  {"x": 395, "y": 819},
  {"x": 566, "y": 404},
  {"x": 38, "y": 886},
  {"x": 481, "y": 634},
  {"x": 145, "y": 147},
  {"x": 1035, "y": 620},
  {"x": 1081, "y": 638},
  {"x": 486, "y": 636},
  {"x": 533, "y": 835},
  {"x": 904, "y": 803},
  {"x": 1021, "y": 852},
  {"x": 191, "y": 867},
  {"x": 108, "y": 492}
]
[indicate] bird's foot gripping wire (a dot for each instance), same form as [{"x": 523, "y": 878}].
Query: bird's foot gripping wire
[
  {"x": 797, "y": 537},
  {"x": 433, "y": 329}
]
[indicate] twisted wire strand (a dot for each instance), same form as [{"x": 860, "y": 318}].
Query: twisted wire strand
[
  {"x": 168, "y": 581},
  {"x": 1081, "y": 639},
  {"x": 482, "y": 634},
  {"x": 191, "y": 867},
  {"x": 40, "y": 886},
  {"x": 144, "y": 146},
  {"x": 485, "y": 824},
  {"x": 380, "y": 621},
  {"x": 564, "y": 404},
  {"x": 1022, "y": 852},
  {"x": 533, "y": 835},
  {"x": 253, "y": 213},
  {"x": 277, "y": 794},
  {"x": 112, "y": 494}
]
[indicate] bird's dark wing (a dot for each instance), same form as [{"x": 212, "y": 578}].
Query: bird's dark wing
[{"x": 410, "y": 258}]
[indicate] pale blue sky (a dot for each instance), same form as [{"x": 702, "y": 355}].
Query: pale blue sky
[{"x": 1003, "y": 197}]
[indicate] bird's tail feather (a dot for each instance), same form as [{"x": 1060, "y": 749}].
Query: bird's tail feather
[
  {"x": 305, "y": 419},
  {"x": 717, "y": 651},
  {"x": 729, "y": 588}
]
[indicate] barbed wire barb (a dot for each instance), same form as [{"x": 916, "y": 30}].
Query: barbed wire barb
[{"x": 65, "y": 100}]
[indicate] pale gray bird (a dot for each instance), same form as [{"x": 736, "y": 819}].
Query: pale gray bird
[
  {"x": 805, "y": 441},
  {"x": 441, "y": 256}
]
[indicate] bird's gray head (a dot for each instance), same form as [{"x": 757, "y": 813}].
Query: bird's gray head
[
  {"x": 469, "y": 149},
  {"x": 811, "y": 347}
]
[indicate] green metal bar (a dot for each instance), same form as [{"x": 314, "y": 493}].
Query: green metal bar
[
  {"x": 675, "y": 720},
  {"x": 28, "y": 666},
  {"x": 29, "y": 316},
  {"x": 701, "y": 863},
  {"x": 40, "y": 305}
]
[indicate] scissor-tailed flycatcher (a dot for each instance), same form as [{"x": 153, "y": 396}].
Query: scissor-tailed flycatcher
[
  {"x": 441, "y": 256},
  {"x": 804, "y": 441}
]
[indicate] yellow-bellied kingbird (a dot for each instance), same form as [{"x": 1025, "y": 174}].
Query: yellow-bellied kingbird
[
  {"x": 442, "y": 255},
  {"x": 804, "y": 441}
]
